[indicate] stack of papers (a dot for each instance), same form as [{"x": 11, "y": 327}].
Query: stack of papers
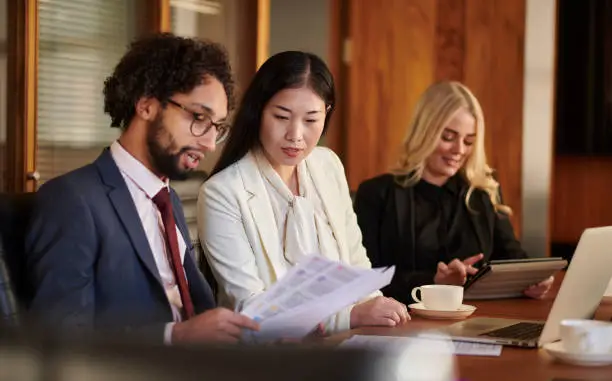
[
  {"x": 310, "y": 292},
  {"x": 398, "y": 344}
]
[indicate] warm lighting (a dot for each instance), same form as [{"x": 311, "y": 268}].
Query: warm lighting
[{"x": 263, "y": 31}]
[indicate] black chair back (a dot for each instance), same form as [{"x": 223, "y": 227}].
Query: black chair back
[{"x": 15, "y": 293}]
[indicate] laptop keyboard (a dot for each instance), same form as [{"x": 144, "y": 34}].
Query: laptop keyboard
[{"x": 520, "y": 331}]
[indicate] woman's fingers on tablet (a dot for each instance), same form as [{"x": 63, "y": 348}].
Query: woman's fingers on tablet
[
  {"x": 473, "y": 259},
  {"x": 471, "y": 270},
  {"x": 458, "y": 267},
  {"x": 443, "y": 268}
]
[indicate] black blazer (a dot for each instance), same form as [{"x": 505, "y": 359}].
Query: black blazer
[{"x": 385, "y": 213}]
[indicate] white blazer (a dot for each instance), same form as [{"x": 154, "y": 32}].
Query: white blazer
[{"x": 240, "y": 239}]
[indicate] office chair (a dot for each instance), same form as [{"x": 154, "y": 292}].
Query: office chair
[{"x": 15, "y": 294}]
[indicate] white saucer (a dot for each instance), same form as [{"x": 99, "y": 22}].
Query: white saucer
[
  {"x": 461, "y": 313},
  {"x": 557, "y": 351}
]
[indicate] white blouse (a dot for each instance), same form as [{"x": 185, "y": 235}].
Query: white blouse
[{"x": 301, "y": 220}]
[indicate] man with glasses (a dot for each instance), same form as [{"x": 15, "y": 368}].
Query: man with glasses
[{"x": 108, "y": 247}]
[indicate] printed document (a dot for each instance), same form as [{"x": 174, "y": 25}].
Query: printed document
[
  {"x": 310, "y": 292},
  {"x": 398, "y": 343}
]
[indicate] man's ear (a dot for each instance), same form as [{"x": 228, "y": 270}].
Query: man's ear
[{"x": 147, "y": 108}]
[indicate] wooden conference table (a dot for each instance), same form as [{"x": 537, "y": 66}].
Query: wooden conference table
[{"x": 514, "y": 363}]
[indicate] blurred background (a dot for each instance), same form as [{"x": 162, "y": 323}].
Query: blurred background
[{"x": 539, "y": 68}]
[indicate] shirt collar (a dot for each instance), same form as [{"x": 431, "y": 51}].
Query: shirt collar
[
  {"x": 146, "y": 180},
  {"x": 274, "y": 178},
  {"x": 453, "y": 185}
]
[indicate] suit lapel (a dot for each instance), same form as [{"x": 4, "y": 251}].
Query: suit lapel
[
  {"x": 261, "y": 212},
  {"x": 123, "y": 204},
  {"x": 480, "y": 221},
  {"x": 404, "y": 201},
  {"x": 328, "y": 193},
  {"x": 179, "y": 219}
]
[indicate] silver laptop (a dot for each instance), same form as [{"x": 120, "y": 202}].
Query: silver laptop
[{"x": 579, "y": 297}]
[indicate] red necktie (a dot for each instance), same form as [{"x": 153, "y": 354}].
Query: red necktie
[{"x": 162, "y": 200}]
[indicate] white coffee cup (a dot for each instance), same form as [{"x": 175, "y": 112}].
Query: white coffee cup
[
  {"x": 439, "y": 297},
  {"x": 586, "y": 336}
]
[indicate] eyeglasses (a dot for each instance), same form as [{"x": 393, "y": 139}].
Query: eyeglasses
[{"x": 202, "y": 123}]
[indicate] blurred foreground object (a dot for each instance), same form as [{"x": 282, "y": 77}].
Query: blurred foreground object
[{"x": 24, "y": 357}]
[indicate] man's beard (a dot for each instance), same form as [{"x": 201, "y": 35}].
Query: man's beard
[{"x": 165, "y": 160}]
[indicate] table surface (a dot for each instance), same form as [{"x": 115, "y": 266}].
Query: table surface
[{"x": 514, "y": 363}]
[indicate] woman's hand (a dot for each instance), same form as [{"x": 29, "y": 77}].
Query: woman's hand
[
  {"x": 456, "y": 271},
  {"x": 539, "y": 291},
  {"x": 316, "y": 333},
  {"x": 379, "y": 311},
  {"x": 319, "y": 331}
]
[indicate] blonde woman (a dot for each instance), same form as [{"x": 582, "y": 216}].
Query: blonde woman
[{"x": 439, "y": 212}]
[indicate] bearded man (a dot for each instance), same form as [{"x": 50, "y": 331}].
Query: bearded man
[{"x": 108, "y": 247}]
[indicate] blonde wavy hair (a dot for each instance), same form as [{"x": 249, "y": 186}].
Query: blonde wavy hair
[{"x": 434, "y": 110}]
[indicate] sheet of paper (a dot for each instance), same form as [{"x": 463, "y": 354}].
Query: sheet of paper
[
  {"x": 609, "y": 290},
  {"x": 394, "y": 343},
  {"x": 477, "y": 349},
  {"x": 309, "y": 293}
]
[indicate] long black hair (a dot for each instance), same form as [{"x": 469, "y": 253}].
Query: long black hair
[{"x": 290, "y": 69}]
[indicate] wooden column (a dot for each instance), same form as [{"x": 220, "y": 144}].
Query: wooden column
[
  {"x": 21, "y": 105},
  {"x": 155, "y": 16},
  {"x": 263, "y": 31}
]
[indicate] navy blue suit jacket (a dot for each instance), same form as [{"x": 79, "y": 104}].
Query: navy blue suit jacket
[{"x": 89, "y": 259}]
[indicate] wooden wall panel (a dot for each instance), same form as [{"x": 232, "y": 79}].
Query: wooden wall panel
[
  {"x": 398, "y": 50},
  {"x": 392, "y": 62},
  {"x": 450, "y": 40},
  {"x": 243, "y": 22},
  {"x": 608, "y": 66},
  {"x": 581, "y": 196},
  {"x": 494, "y": 58},
  {"x": 338, "y": 11}
]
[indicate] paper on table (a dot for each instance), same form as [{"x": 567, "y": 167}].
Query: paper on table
[
  {"x": 394, "y": 343},
  {"x": 309, "y": 293}
]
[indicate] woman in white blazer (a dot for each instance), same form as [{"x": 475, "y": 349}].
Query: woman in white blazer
[{"x": 274, "y": 196}]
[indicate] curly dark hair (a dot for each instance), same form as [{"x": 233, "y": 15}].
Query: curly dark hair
[{"x": 159, "y": 66}]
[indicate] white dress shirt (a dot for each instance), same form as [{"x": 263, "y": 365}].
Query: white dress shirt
[{"x": 143, "y": 186}]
